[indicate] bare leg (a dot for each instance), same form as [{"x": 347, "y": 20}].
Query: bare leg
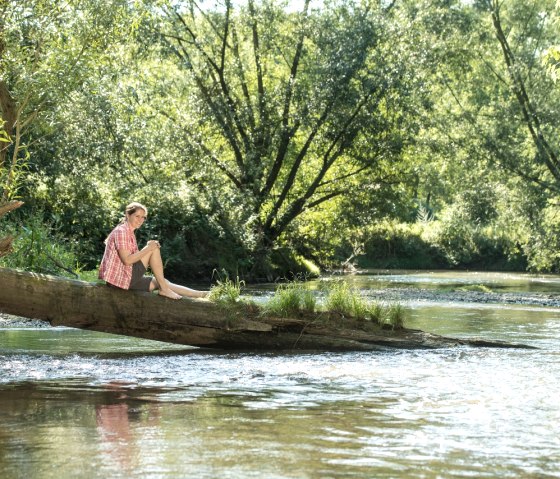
[
  {"x": 171, "y": 290},
  {"x": 156, "y": 265},
  {"x": 184, "y": 291}
]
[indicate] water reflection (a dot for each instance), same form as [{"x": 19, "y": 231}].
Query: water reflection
[
  {"x": 369, "y": 419},
  {"x": 115, "y": 420}
]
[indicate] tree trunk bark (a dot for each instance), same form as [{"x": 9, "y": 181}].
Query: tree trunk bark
[{"x": 194, "y": 322}]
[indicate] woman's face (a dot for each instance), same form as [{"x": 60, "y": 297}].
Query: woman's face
[{"x": 136, "y": 219}]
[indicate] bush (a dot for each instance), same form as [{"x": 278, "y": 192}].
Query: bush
[
  {"x": 399, "y": 246},
  {"x": 450, "y": 242},
  {"x": 37, "y": 248}
]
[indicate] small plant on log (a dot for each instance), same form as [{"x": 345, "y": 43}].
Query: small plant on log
[
  {"x": 345, "y": 302},
  {"x": 395, "y": 316},
  {"x": 291, "y": 299},
  {"x": 296, "y": 300},
  {"x": 226, "y": 291}
]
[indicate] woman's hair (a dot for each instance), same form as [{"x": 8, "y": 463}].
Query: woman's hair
[{"x": 132, "y": 208}]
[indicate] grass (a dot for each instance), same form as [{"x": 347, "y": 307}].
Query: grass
[
  {"x": 341, "y": 302},
  {"x": 296, "y": 299},
  {"x": 395, "y": 316},
  {"x": 291, "y": 299},
  {"x": 347, "y": 302},
  {"x": 226, "y": 292}
]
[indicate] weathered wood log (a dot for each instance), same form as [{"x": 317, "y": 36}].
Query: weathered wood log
[{"x": 195, "y": 322}]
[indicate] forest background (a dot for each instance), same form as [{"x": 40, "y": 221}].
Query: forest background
[{"x": 270, "y": 139}]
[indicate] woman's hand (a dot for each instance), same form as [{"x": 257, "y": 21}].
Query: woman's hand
[{"x": 152, "y": 245}]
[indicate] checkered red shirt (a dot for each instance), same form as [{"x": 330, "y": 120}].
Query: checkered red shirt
[{"x": 112, "y": 269}]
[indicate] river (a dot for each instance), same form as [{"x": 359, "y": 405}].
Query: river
[{"x": 81, "y": 404}]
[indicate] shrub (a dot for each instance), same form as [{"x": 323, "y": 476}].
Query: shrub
[{"x": 37, "y": 248}]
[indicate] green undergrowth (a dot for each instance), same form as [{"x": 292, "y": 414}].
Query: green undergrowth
[
  {"x": 341, "y": 304},
  {"x": 344, "y": 301}
]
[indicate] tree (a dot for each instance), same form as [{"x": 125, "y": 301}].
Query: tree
[
  {"x": 523, "y": 41},
  {"x": 47, "y": 49},
  {"x": 276, "y": 112}
]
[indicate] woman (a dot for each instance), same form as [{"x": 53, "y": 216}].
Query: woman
[{"x": 123, "y": 264}]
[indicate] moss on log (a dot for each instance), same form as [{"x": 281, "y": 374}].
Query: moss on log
[{"x": 195, "y": 322}]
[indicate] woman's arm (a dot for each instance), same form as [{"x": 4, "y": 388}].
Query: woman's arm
[{"x": 127, "y": 258}]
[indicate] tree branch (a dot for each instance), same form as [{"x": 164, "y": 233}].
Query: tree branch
[
  {"x": 287, "y": 132},
  {"x": 221, "y": 117},
  {"x": 222, "y": 83},
  {"x": 530, "y": 116}
]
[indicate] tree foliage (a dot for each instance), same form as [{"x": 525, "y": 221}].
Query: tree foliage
[
  {"x": 277, "y": 113},
  {"x": 260, "y": 135}
]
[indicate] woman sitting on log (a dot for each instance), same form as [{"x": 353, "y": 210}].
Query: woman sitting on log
[{"x": 123, "y": 264}]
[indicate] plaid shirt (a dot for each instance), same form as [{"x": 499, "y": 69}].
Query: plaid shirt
[{"x": 112, "y": 269}]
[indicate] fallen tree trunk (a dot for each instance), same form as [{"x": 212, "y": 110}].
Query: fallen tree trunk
[{"x": 195, "y": 322}]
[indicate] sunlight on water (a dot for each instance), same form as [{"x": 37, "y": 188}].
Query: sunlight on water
[{"x": 82, "y": 404}]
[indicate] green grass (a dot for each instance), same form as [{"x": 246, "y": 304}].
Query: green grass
[
  {"x": 226, "y": 291},
  {"x": 395, "y": 316},
  {"x": 296, "y": 299},
  {"x": 291, "y": 299}
]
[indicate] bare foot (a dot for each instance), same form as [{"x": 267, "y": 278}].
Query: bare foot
[{"x": 169, "y": 294}]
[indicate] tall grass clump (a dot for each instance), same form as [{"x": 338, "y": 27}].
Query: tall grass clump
[
  {"x": 226, "y": 291},
  {"x": 291, "y": 299},
  {"x": 347, "y": 302},
  {"x": 395, "y": 316},
  {"x": 341, "y": 299}
]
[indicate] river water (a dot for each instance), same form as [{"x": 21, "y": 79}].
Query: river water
[{"x": 82, "y": 404}]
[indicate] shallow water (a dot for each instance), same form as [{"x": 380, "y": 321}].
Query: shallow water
[{"x": 82, "y": 404}]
